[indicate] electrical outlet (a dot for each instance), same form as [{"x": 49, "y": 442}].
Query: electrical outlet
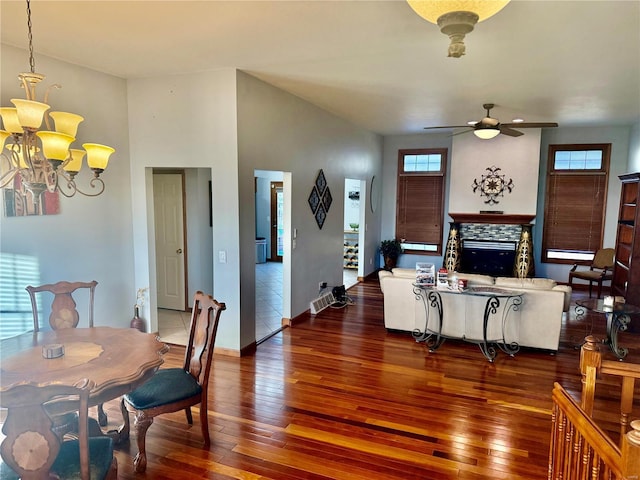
[{"x": 322, "y": 285}]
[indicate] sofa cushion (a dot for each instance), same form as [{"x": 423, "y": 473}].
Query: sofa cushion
[
  {"x": 528, "y": 283},
  {"x": 473, "y": 279}
]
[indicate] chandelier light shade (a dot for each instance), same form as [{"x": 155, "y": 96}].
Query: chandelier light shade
[
  {"x": 456, "y": 18},
  {"x": 40, "y": 155}
]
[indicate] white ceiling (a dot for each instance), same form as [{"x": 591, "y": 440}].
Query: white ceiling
[{"x": 375, "y": 63}]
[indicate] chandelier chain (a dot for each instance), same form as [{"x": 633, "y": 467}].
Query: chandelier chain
[{"x": 32, "y": 62}]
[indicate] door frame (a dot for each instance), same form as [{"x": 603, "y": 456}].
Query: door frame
[{"x": 273, "y": 188}]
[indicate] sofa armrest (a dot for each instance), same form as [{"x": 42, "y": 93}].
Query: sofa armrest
[
  {"x": 567, "y": 295},
  {"x": 382, "y": 274}
]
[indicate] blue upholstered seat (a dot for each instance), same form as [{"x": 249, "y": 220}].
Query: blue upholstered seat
[
  {"x": 173, "y": 389},
  {"x": 166, "y": 386},
  {"x": 67, "y": 463}
]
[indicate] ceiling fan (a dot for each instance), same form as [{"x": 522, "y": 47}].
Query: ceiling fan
[{"x": 490, "y": 127}]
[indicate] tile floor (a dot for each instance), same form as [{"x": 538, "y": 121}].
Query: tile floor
[{"x": 173, "y": 325}]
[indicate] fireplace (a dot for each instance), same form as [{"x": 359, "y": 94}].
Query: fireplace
[
  {"x": 490, "y": 244},
  {"x": 489, "y": 258}
]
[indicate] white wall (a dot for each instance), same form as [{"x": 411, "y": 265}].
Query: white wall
[
  {"x": 517, "y": 157},
  {"x": 634, "y": 149},
  {"x": 272, "y": 130},
  {"x": 188, "y": 121},
  {"x": 91, "y": 237},
  {"x": 278, "y": 131},
  {"x": 199, "y": 231}
]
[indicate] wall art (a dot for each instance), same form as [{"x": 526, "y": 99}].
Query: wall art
[
  {"x": 492, "y": 185},
  {"x": 320, "y": 199}
]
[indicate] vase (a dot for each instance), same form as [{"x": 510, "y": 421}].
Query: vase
[
  {"x": 453, "y": 251},
  {"x": 136, "y": 321},
  {"x": 524, "y": 266}
]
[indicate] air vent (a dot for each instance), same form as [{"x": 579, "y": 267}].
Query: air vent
[{"x": 322, "y": 302}]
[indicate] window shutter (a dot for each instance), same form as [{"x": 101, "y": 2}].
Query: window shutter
[
  {"x": 575, "y": 212},
  {"x": 420, "y": 207}
]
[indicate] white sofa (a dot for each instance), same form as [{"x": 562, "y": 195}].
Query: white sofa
[{"x": 536, "y": 323}]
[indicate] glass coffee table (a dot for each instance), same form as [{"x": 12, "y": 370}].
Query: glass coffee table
[{"x": 618, "y": 318}]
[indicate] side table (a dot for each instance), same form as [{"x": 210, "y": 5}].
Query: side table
[{"x": 618, "y": 318}]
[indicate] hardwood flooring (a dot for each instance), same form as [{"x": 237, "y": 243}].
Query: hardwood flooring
[{"x": 339, "y": 397}]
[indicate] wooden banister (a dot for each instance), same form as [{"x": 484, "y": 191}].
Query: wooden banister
[
  {"x": 592, "y": 365},
  {"x": 581, "y": 450}
]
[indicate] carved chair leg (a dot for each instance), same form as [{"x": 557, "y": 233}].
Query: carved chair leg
[
  {"x": 141, "y": 425},
  {"x": 204, "y": 425},
  {"x": 189, "y": 417},
  {"x": 102, "y": 417}
]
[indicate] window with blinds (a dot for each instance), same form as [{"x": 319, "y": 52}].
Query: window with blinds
[
  {"x": 575, "y": 202},
  {"x": 420, "y": 202}
]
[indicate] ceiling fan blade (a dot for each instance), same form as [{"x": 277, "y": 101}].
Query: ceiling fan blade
[
  {"x": 460, "y": 133},
  {"x": 510, "y": 132},
  {"x": 531, "y": 125},
  {"x": 448, "y": 126}
]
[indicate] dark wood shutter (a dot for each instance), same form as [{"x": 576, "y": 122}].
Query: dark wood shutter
[
  {"x": 574, "y": 214},
  {"x": 420, "y": 209}
]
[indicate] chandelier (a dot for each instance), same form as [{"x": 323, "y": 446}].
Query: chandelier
[
  {"x": 41, "y": 159},
  {"x": 456, "y": 18}
]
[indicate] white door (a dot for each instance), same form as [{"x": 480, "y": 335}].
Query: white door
[{"x": 170, "y": 256}]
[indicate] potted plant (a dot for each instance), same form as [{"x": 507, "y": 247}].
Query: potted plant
[{"x": 390, "y": 250}]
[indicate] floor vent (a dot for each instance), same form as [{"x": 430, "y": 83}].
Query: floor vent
[{"x": 322, "y": 302}]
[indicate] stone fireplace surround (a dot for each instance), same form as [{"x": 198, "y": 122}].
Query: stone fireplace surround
[{"x": 493, "y": 244}]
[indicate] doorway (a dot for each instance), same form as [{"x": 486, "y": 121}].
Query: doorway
[
  {"x": 352, "y": 231},
  {"x": 195, "y": 228},
  {"x": 269, "y": 275}
]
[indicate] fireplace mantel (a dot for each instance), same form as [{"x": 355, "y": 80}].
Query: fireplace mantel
[{"x": 494, "y": 218}]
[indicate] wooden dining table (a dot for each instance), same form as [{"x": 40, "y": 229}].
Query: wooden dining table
[{"x": 117, "y": 360}]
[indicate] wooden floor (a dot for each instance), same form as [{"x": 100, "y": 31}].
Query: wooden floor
[{"x": 338, "y": 397}]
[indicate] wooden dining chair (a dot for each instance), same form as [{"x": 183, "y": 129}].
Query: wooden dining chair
[
  {"x": 32, "y": 450},
  {"x": 173, "y": 389},
  {"x": 600, "y": 270},
  {"x": 64, "y": 312}
]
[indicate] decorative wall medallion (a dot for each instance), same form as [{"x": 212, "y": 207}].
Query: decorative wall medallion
[
  {"x": 321, "y": 214},
  {"x": 321, "y": 182},
  {"x": 314, "y": 200},
  {"x": 320, "y": 199},
  {"x": 326, "y": 199},
  {"x": 492, "y": 185}
]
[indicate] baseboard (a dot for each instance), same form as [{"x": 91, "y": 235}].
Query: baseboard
[{"x": 235, "y": 353}]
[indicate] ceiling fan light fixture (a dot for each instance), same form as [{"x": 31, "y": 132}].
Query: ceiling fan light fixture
[
  {"x": 486, "y": 133},
  {"x": 456, "y": 18}
]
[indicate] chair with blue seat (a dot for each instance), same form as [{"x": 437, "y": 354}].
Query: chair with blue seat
[
  {"x": 33, "y": 450},
  {"x": 174, "y": 389},
  {"x": 64, "y": 314}
]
